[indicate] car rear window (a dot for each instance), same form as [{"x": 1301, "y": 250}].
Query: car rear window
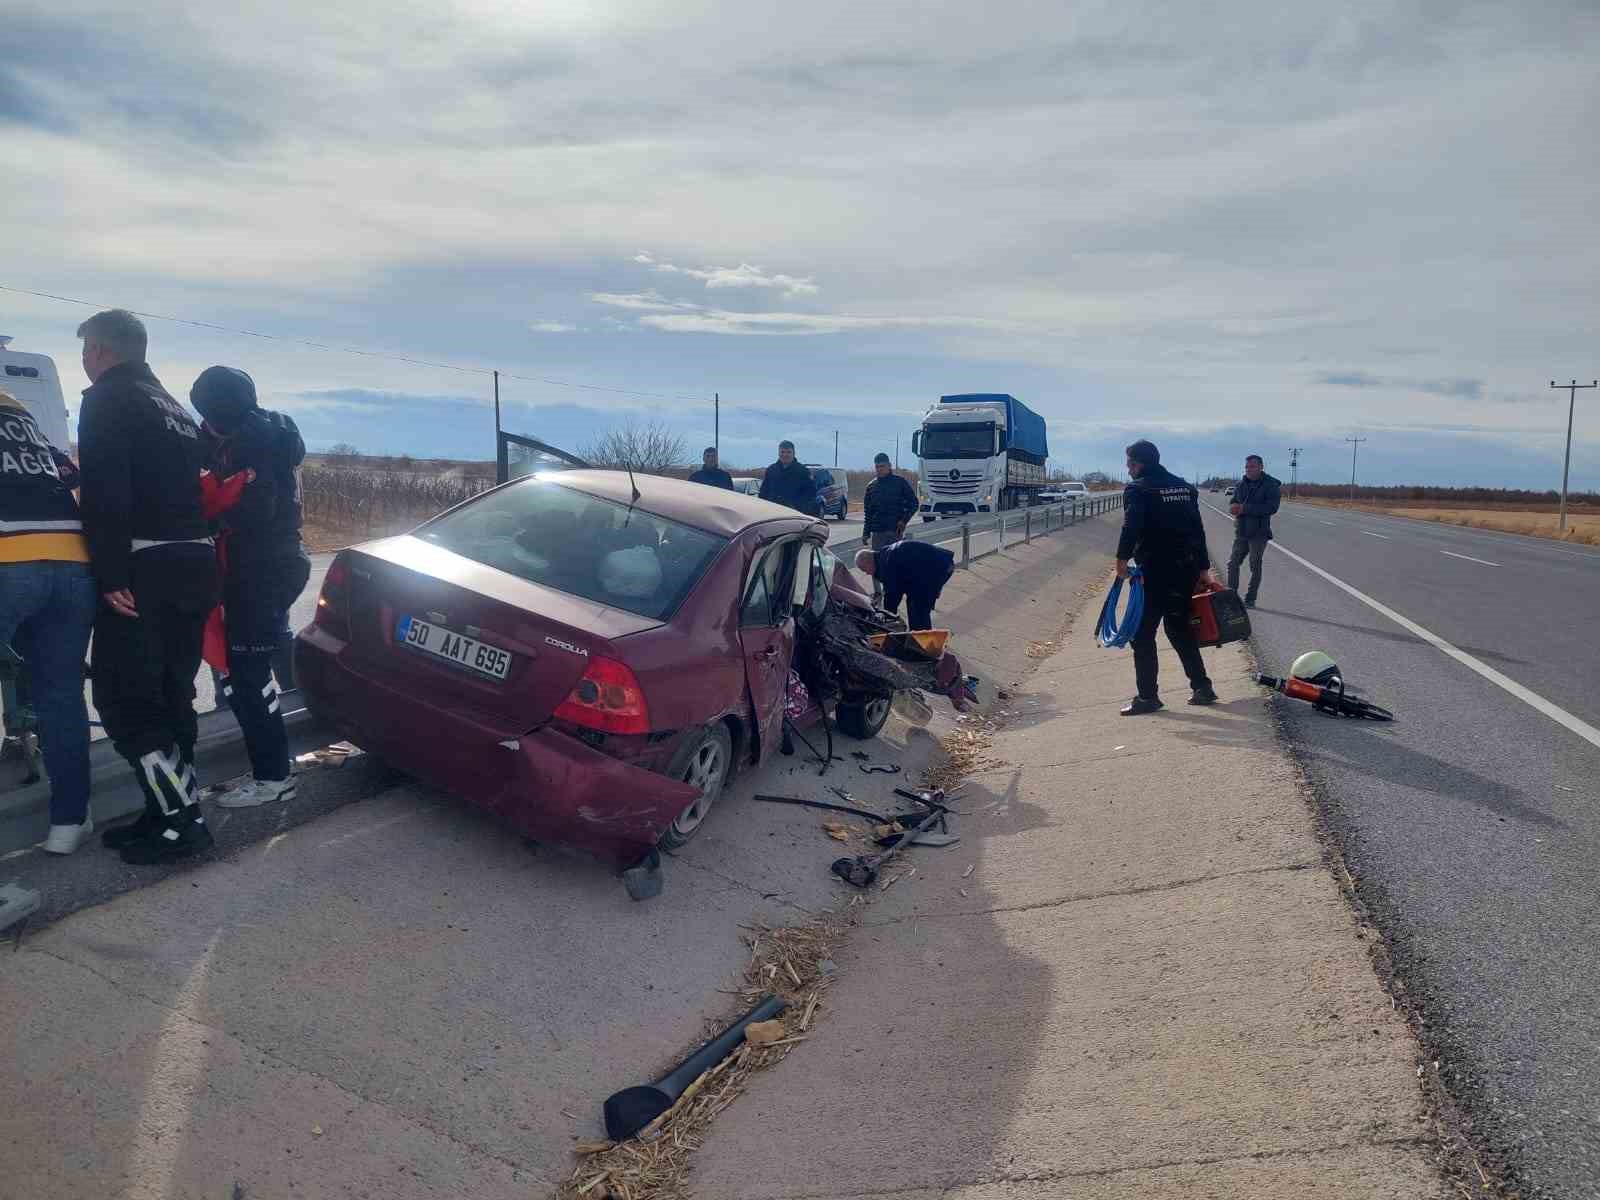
[{"x": 580, "y": 544}]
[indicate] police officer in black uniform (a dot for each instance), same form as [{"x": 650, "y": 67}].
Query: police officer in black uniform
[
  {"x": 155, "y": 567},
  {"x": 1162, "y": 530}
]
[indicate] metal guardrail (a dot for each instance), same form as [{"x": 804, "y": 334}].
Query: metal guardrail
[{"x": 1023, "y": 524}]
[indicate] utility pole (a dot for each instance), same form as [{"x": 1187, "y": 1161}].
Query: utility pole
[
  {"x": 897, "y": 452},
  {"x": 1566, "y": 463},
  {"x": 716, "y": 423},
  {"x": 836, "y": 447},
  {"x": 497, "y": 412},
  {"x": 1355, "y": 444},
  {"x": 1294, "y": 471}
]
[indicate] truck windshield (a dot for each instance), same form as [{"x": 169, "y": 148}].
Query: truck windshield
[{"x": 958, "y": 441}]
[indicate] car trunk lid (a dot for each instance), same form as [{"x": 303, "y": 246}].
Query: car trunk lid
[{"x": 551, "y": 636}]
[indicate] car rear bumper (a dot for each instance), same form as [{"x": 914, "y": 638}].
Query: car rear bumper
[{"x": 545, "y": 784}]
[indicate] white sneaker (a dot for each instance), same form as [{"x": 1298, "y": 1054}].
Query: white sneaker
[
  {"x": 256, "y": 792},
  {"x": 64, "y": 839}
]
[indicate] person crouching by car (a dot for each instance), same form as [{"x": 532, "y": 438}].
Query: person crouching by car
[
  {"x": 916, "y": 571},
  {"x": 787, "y": 482},
  {"x": 265, "y": 568}
]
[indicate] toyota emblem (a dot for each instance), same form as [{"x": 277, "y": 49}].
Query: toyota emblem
[{"x": 955, "y": 475}]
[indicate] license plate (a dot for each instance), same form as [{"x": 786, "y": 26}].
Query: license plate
[{"x": 454, "y": 647}]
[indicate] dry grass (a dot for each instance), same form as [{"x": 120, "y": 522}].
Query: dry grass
[
  {"x": 964, "y": 751},
  {"x": 1583, "y": 524},
  {"x": 655, "y": 1164}
]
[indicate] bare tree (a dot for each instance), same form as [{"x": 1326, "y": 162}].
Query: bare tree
[
  {"x": 343, "y": 454},
  {"x": 649, "y": 447}
]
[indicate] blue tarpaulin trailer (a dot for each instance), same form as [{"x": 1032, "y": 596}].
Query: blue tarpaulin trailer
[{"x": 1025, "y": 428}]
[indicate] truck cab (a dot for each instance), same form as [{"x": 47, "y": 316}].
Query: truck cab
[{"x": 980, "y": 452}]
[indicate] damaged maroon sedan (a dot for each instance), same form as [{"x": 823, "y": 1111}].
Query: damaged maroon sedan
[{"x": 589, "y": 662}]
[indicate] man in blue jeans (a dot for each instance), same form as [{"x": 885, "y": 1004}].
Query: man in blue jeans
[{"x": 47, "y": 608}]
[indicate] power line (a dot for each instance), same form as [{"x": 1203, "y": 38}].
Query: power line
[{"x": 335, "y": 349}]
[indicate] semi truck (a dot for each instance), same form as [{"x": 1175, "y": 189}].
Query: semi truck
[{"x": 981, "y": 452}]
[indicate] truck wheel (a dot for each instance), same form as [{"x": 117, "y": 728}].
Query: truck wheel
[
  {"x": 862, "y": 721},
  {"x": 704, "y": 761}
]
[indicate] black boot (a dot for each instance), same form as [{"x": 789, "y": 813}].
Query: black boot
[
  {"x": 170, "y": 843},
  {"x": 1203, "y": 695},
  {"x": 1139, "y": 706},
  {"x": 126, "y": 835}
]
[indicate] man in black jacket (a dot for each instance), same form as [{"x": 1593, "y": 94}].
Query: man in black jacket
[
  {"x": 787, "y": 482},
  {"x": 889, "y": 503},
  {"x": 916, "y": 571},
  {"x": 1161, "y": 527},
  {"x": 710, "y": 474},
  {"x": 265, "y": 566},
  {"x": 155, "y": 568},
  {"x": 1254, "y": 501}
]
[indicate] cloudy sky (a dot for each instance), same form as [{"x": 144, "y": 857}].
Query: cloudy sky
[{"x": 1245, "y": 231}]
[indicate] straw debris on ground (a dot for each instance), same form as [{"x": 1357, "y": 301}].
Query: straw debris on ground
[
  {"x": 655, "y": 1165},
  {"x": 964, "y": 751}
]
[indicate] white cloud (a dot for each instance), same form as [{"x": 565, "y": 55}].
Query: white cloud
[
  {"x": 682, "y": 316},
  {"x": 552, "y": 327},
  {"x": 745, "y": 275}
]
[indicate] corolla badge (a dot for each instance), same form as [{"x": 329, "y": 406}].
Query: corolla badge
[{"x": 567, "y": 646}]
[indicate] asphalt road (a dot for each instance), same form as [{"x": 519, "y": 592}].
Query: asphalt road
[{"x": 1472, "y": 824}]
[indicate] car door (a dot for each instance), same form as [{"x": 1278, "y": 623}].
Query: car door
[{"x": 766, "y": 633}]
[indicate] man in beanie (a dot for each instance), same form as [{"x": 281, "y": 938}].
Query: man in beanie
[
  {"x": 1161, "y": 527},
  {"x": 265, "y": 568},
  {"x": 155, "y": 567}
]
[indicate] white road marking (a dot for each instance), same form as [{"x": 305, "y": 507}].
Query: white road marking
[
  {"x": 1330, "y": 524},
  {"x": 1469, "y": 558},
  {"x": 1384, "y": 536},
  {"x": 1532, "y": 699}
]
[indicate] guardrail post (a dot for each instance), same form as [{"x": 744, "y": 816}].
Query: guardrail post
[
  {"x": 966, "y": 546},
  {"x": 1027, "y": 526},
  {"x": 1000, "y": 526}
]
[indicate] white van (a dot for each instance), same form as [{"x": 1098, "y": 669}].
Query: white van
[{"x": 32, "y": 379}]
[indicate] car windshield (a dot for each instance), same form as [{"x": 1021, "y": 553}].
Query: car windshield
[
  {"x": 958, "y": 441},
  {"x": 580, "y": 544}
]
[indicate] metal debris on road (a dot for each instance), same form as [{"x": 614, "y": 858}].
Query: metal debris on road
[
  {"x": 633, "y": 1109},
  {"x": 872, "y": 768}
]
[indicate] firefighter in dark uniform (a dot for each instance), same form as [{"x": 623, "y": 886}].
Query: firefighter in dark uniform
[
  {"x": 1162, "y": 530},
  {"x": 265, "y": 566},
  {"x": 155, "y": 568}
]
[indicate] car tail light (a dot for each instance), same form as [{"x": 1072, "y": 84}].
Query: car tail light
[
  {"x": 607, "y": 698},
  {"x": 333, "y": 604}
]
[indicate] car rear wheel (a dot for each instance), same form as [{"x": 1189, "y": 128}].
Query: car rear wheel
[
  {"x": 705, "y": 762},
  {"x": 863, "y": 721}
]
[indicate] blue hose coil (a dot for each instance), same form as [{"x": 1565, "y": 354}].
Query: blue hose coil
[{"x": 1107, "y": 631}]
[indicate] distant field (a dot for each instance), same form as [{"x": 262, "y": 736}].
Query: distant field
[{"x": 1534, "y": 520}]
